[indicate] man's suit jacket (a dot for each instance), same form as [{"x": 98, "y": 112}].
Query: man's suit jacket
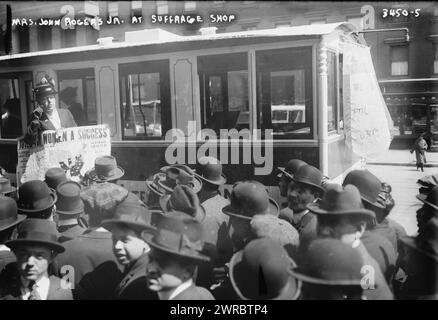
[
  {"x": 133, "y": 285},
  {"x": 96, "y": 270},
  {"x": 194, "y": 293},
  {"x": 10, "y": 286}
]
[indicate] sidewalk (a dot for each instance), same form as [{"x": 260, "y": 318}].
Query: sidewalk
[{"x": 404, "y": 158}]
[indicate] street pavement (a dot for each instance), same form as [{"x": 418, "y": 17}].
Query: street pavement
[{"x": 397, "y": 167}]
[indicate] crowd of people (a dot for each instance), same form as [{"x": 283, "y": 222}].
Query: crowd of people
[{"x": 61, "y": 239}]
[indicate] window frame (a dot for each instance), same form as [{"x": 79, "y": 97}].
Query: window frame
[{"x": 401, "y": 45}]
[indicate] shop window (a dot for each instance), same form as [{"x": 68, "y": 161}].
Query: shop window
[
  {"x": 399, "y": 60},
  {"x": 44, "y": 38},
  {"x": 113, "y": 9},
  {"x": 136, "y": 8},
  {"x": 189, "y": 6},
  {"x": 224, "y": 91},
  {"x": 332, "y": 99},
  {"x": 68, "y": 37},
  {"x": 284, "y": 92},
  {"x": 77, "y": 93},
  {"x": 23, "y": 38},
  {"x": 145, "y": 100},
  {"x": 162, "y": 7}
]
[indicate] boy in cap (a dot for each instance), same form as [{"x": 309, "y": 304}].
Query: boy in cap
[
  {"x": 47, "y": 116},
  {"x": 9, "y": 219},
  {"x": 35, "y": 248},
  {"x": 36, "y": 200},
  {"x": 69, "y": 207},
  {"x": 129, "y": 221},
  {"x": 342, "y": 216},
  {"x": 331, "y": 270},
  {"x": 176, "y": 250}
]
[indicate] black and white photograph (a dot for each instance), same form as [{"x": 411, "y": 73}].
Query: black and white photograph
[{"x": 218, "y": 150}]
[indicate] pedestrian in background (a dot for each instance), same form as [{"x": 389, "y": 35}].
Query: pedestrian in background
[{"x": 420, "y": 147}]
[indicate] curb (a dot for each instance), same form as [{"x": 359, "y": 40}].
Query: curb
[{"x": 427, "y": 165}]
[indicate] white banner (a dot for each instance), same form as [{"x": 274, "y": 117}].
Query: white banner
[
  {"x": 72, "y": 149},
  {"x": 367, "y": 120}
]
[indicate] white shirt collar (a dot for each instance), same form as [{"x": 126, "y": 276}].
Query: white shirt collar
[
  {"x": 4, "y": 248},
  {"x": 183, "y": 286},
  {"x": 43, "y": 285},
  {"x": 54, "y": 118}
]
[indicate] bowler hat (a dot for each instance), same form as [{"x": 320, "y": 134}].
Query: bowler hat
[
  {"x": 180, "y": 235},
  {"x": 330, "y": 262},
  {"x": 69, "y": 198},
  {"x": 37, "y": 231},
  {"x": 35, "y": 196},
  {"x": 130, "y": 214},
  {"x": 105, "y": 169},
  {"x": 426, "y": 242},
  {"x": 54, "y": 176},
  {"x": 368, "y": 185},
  {"x": 183, "y": 199},
  {"x": 431, "y": 199},
  {"x": 46, "y": 87},
  {"x": 209, "y": 169},
  {"x": 179, "y": 174},
  {"x": 249, "y": 198},
  {"x": 5, "y": 186},
  {"x": 291, "y": 167},
  {"x": 340, "y": 201},
  {"x": 261, "y": 271},
  {"x": 153, "y": 186},
  {"x": 309, "y": 176},
  {"x": 8, "y": 213}
]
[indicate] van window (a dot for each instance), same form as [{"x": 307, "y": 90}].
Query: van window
[{"x": 284, "y": 92}]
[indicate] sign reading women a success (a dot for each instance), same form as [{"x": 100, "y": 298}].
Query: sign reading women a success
[{"x": 72, "y": 149}]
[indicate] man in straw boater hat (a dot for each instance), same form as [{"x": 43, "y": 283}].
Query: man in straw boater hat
[
  {"x": 261, "y": 272},
  {"x": 429, "y": 208},
  {"x": 420, "y": 260},
  {"x": 35, "y": 248},
  {"x": 9, "y": 219},
  {"x": 129, "y": 221},
  {"x": 341, "y": 215},
  {"x": 304, "y": 189},
  {"x": 47, "y": 116},
  {"x": 36, "y": 200},
  {"x": 69, "y": 207},
  {"x": 176, "y": 250},
  {"x": 6, "y": 189},
  {"x": 331, "y": 270}
]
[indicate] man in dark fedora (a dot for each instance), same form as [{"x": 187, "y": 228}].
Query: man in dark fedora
[
  {"x": 105, "y": 170},
  {"x": 373, "y": 198},
  {"x": 287, "y": 173},
  {"x": 176, "y": 250},
  {"x": 304, "y": 189},
  {"x": 261, "y": 272},
  {"x": 97, "y": 271},
  {"x": 54, "y": 176},
  {"x": 341, "y": 215},
  {"x": 420, "y": 260},
  {"x": 69, "y": 207},
  {"x": 429, "y": 208},
  {"x": 129, "y": 221},
  {"x": 9, "y": 219},
  {"x": 35, "y": 248},
  {"x": 331, "y": 270},
  {"x": 5, "y": 187},
  {"x": 36, "y": 200},
  {"x": 68, "y": 96},
  {"x": 47, "y": 116}
]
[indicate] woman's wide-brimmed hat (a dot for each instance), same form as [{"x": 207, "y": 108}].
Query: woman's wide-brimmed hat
[
  {"x": 35, "y": 196},
  {"x": 37, "y": 231},
  {"x": 105, "y": 169},
  {"x": 261, "y": 271}
]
